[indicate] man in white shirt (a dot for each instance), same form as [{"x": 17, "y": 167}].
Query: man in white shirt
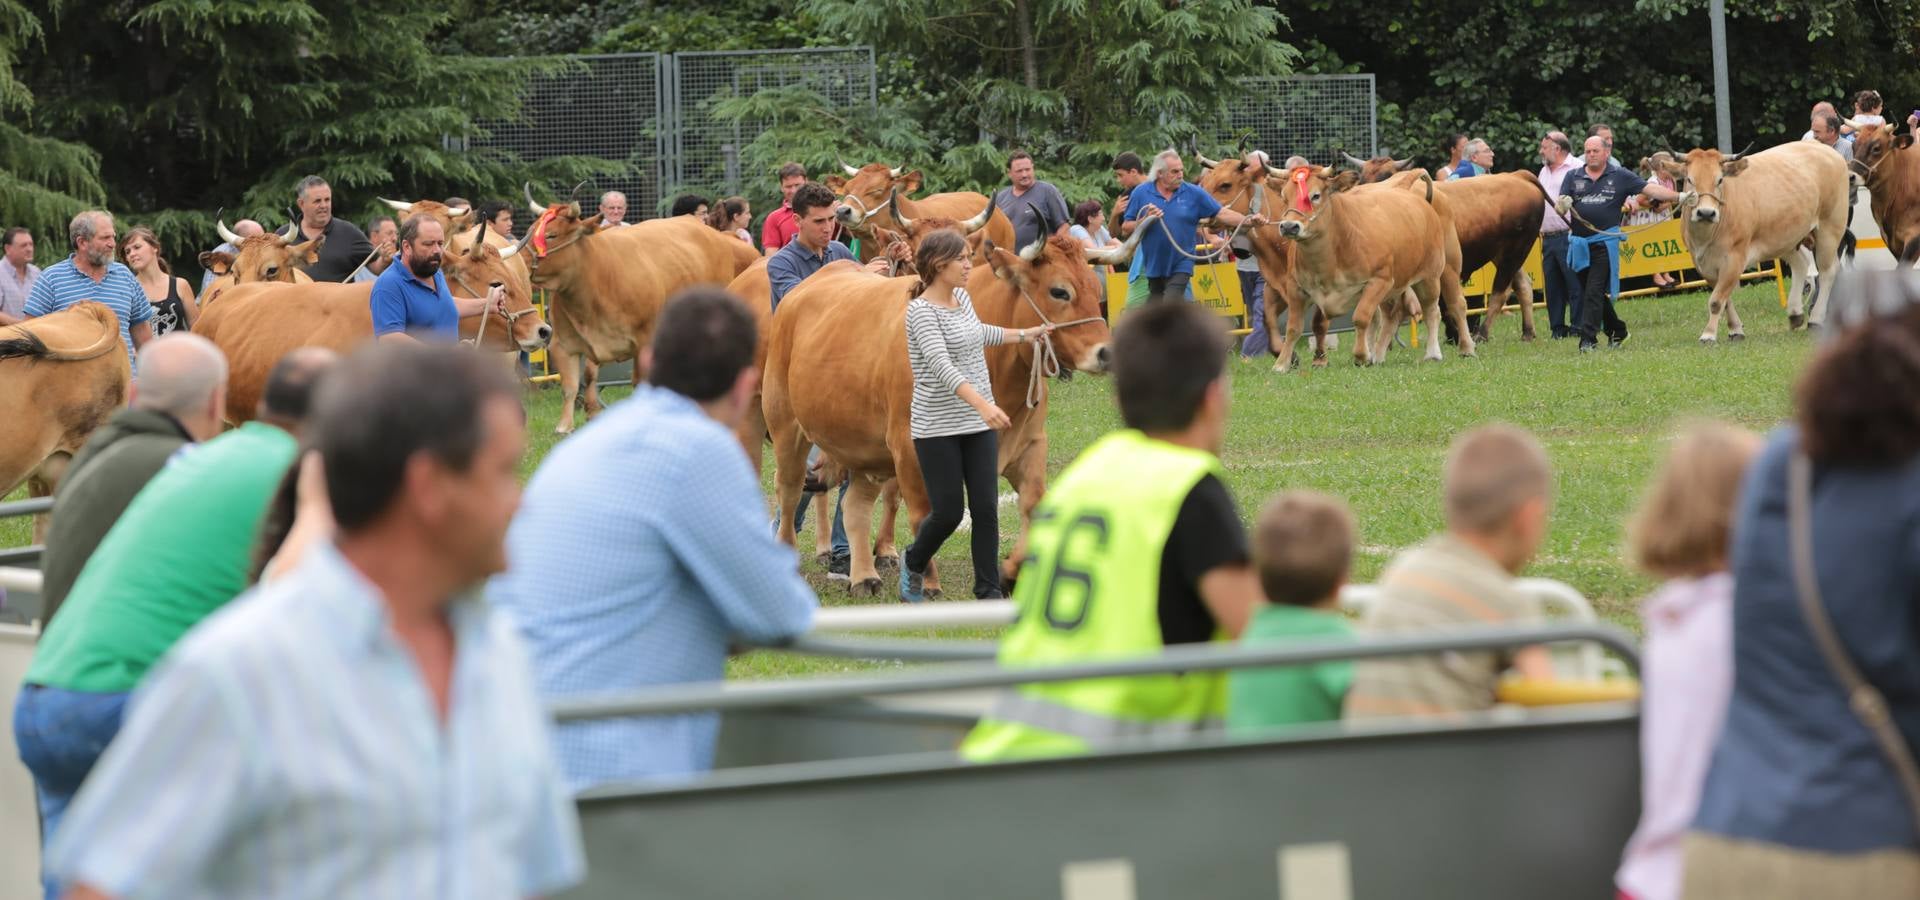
[{"x": 1564, "y": 285}]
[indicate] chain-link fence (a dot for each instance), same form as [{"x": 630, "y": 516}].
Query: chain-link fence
[
  {"x": 617, "y": 109},
  {"x": 707, "y": 150},
  {"x": 1315, "y": 116}
]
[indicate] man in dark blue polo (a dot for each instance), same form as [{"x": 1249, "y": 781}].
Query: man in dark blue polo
[
  {"x": 410, "y": 301},
  {"x": 1179, "y": 205},
  {"x": 813, "y": 245}
]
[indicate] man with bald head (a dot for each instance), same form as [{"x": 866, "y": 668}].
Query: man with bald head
[
  {"x": 183, "y": 548},
  {"x": 245, "y": 228},
  {"x": 177, "y": 399}
]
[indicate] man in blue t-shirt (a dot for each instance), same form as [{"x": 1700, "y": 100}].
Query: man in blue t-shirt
[
  {"x": 1594, "y": 196},
  {"x": 1179, "y": 206},
  {"x": 410, "y": 301}
]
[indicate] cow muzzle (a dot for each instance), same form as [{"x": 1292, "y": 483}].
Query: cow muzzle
[
  {"x": 1098, "y": 359},
  {"x": 1293, "y": 228},
  {"x": 1706, "y": 214}
]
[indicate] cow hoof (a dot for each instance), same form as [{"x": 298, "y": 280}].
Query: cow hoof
[
  {"x": 1795, "y": 323},
  {"x": 1320, "y": 363},
  {"x": 1432, "y": 357},
  {"x": 823, "y": 558},
  {"x": 865, "y": 587},
  {"x": 1527, "y": 337},
  {"x": 1736, "y": 336},
  {"x": 886, "y": 563},
  {"x": 1813, "y": 326},
  {"x": 562, "y": 430},
  {"x": 933, "y": 593},
  {"x": 1481, "y": 337},
  {"x": 1707, "y": 340}
]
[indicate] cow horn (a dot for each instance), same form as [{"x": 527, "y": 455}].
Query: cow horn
[
  {"x": 1743, "y": 152},
  {"x": 977, "y": 222},
  {"x": 893, "y": 207},
  {"x": 1046, "y": 225},
  {"x": 226, "y": 234},
  {"x": 1116, "y": 256},
  {"x": 851, "y": 171},
  {"x": 896, "y": 173},
  {"x": 1353, "y": 160},
  {"x": 527, "y": 186},
  {"x": 398, "y": 206},
  {"x": 479, "y": 240},
  {"x": 1401, "y": 165},
  {"x": 455, "y": 212},
  {"x": 509, "y": 250},
  {"x": 1206, "y": 163},
  {"x": 1032, "y": 251},
  {"x": 573, "y": 196}
]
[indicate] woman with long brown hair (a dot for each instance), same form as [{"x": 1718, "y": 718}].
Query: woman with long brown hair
[
  {"x": 953, "y": 417},
  {"x": 169, "y": 294},
  {"x": 732, "y": 216}
]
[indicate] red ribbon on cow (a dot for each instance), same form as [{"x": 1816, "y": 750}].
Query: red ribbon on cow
[
  {"x": 1299, "y": 176},
  {"x": 540, "y": 234}
]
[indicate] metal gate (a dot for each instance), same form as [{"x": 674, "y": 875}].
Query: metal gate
[
  {"x": 653, "y": 112},
  {"x": 1315, "y": 116}
]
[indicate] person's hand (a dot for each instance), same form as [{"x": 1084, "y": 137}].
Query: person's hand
[
  {"x": 1913, "y": 123},
  {"x": 497, "y": 298},
  {"x": 1151, "y": 212},
  {"x": 1256, "y": 220},
  {"x": 1036, "y": 334},
  {"x": 899, "y": 251},
  {"x": 1120, "y": 205},
  {"x": 310, "y": 503},
  {"x": 880, "y": 265},
  {"x": 1563, "y": 205},
  {"x": 384, "y": 248},
  {"x": 996, "y": 418}
]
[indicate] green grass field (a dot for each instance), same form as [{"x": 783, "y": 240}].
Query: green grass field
[{"x": 1377, "y": 437}]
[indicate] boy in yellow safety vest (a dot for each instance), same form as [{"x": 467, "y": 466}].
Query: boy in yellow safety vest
[{"x": 1137, "y": 546}]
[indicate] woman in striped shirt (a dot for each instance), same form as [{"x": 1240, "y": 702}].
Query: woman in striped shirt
[{"x": 953, "y": 415}]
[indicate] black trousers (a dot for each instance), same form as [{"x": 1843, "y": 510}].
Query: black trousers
[
  {"x": 1596, "y": 304},
  {"x": 961, "y": 468},
  {"x": 1171, "y": 287}
]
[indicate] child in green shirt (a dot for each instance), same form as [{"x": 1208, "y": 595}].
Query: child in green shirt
[{"x": 1303, "y": 546}]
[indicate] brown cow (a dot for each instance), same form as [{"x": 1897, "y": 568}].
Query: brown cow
[
  {"x": 1359, "y": 247},
  {"x": 257, "y": 324},
  {"x": 836, "y": 375},
  {"x": 263, "y": 257},
  {"x": 1497, "y": 219},
  {"x": 1890, "y": 169},
  {"x": 1744, "y": 209},
  {"x": 876, "y": 195},
  {"x": 65, "y": 374},
  {"x": 1244, "y": 188},
  {"x": 605, "y": 288}
]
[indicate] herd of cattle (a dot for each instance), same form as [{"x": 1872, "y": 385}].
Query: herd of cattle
[{"x": 1381, "y": 243}]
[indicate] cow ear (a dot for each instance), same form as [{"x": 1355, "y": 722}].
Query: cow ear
[
  {"x": 1006, "y": 266},
  {"x": 312, "y": 253},
  {"x": 1733, "y": 168},
  {"x": 909, "y": 183},
  {"x": 835, "y": 183},
  {"x": 1343, "y": 181},
  {"x": 592, "y": 223},
  {"x": 1903, "y": 142}
]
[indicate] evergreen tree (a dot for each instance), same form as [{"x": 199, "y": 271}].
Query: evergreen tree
[{"x": 43, "y": 181}]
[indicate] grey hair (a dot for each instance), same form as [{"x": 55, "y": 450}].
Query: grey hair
[
  {"x": 82, "y": 228},
  {"x": 1476, "y": 145},
  {"x": 178, "y": 374},
  {"x": 1160, "y": 161},
  {"x": 603, "y": 197},
  {"x": 1295, "y": 162},
  {"x": 306, "y": 184}
]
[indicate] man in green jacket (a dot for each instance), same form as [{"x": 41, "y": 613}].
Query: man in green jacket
[
  {"x": 183, "y": 548},
  {"x": 177, "y": 398}
]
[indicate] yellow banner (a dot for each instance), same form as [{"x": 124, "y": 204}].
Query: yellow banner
[
  {"x": 1215, "y": 284},
  {"x": 1649, "y": 250}
]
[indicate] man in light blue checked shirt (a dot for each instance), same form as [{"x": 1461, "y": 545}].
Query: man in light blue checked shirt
[
  {"x": 642, "y": 551},
  {"x": 356, "y": 727}
]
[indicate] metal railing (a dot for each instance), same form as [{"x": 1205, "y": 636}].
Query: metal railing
[{"x": 688, "y": 698}]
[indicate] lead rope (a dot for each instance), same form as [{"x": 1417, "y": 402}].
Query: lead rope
[{"x": 1046, "y": 361}]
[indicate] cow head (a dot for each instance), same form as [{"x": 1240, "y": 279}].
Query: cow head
[
  {"x": 217, "y": 262},
  {"x": 1379, "y": 168},
  {"x": 451, "y": 218},
  {"x": 916, "y": 230},
  {"x": 1050, "y": 277},
  {"x": 555, "y": 236},
  {"x": 1872, "y": 144},
  {"x": 1305, "y": 194},
  {"x": 865, "y": 191},
  {"x": 268, "y": 256},
  {"x": 1706, "y": 173},
  {"x": 473, "y": 271},
  {"x": 1235, "y": 184}
]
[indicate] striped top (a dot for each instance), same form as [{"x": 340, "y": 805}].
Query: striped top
[
  {"x": 289, "y": 748},
  {"x": 62, "y": 285},
  {"x": 1438, "y": 585},
  {"x": 947, "y": 348}
]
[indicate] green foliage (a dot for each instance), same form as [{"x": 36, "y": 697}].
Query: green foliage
[
  {"x": 1646, "y": 69},
  {"x": 190, "y": 106},
  {"x": 43, "y": 181}
]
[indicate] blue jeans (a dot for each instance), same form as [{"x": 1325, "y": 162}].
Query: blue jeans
[
  {"x": 61, "y": 734},
  {"x": 1564, "y": 286},
  {"x": 1253, "y": 289}
]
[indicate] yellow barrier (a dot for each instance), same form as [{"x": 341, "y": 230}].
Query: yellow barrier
[{"x": 1217, "y": 285}]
